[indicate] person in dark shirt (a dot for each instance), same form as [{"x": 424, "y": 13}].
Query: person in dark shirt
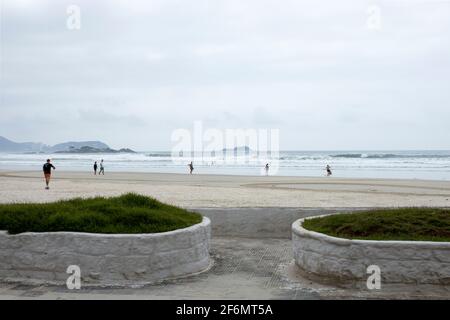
[
  {"x": 191, "y": 167},
  {"x": 95, "y": 168},
  {"x": 328, "y": 168},
  {"x": 47, "y": 168}
]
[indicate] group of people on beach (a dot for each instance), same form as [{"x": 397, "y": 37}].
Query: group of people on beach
[
  {"x": 102, "y": 168},
  {"x": 48, "y": 166},
  {"x": 191, "y": 168},
  {"x": 266, "y": 168}
]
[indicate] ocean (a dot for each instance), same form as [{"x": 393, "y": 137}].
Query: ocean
[{"x": 429, "y": 165}]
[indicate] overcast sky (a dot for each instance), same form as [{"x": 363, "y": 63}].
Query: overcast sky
[{"x": 319, "y": 71}]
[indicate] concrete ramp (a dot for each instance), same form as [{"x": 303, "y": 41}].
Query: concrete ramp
[{"x": 264, "y": 222}]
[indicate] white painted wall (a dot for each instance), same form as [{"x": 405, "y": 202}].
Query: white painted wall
[
  {"x": 342, "y": 259},
  {"x": 122, "y": 259}
]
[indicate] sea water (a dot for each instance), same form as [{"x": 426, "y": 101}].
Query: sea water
[{"x": 433, "y": 165}]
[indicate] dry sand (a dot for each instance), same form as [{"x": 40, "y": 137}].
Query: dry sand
[{"x": 228, "y": 191}]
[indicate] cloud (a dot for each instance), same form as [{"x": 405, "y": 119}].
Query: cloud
[
  {"x": 150, "y": 67},
  {"x": 100, "y": 117},
  {"x": 262, "y": 116}
]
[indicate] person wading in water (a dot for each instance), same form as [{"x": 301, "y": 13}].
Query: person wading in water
[{"x": 328, "y": 168}]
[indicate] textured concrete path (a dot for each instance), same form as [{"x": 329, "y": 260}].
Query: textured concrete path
[{"x": 243, "y": 268}]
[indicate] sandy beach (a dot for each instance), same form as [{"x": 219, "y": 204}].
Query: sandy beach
[{"x": 228, "y": 191}]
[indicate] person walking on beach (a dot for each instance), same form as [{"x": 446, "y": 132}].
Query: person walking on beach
[
  {"x": 328, "y": 168},
  {"x": 191, "y": 167},
  {"x": 47, "y": 168},
  {"x": 267, "y": 169},
  {"x": 102, "y": 168},
  {"x": 95, "y": 168}
]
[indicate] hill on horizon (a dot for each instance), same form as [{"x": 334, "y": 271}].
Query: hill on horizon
[{"x": 7, "y": 145}]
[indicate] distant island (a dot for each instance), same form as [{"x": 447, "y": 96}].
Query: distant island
[
  {"x": 7, "y": 145},
  {"x": 87, "y": 149}
]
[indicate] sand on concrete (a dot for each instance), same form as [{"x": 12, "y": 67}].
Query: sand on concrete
[
  {"x": 194, "y": 191},
  {"x": 243, "y": 268}
]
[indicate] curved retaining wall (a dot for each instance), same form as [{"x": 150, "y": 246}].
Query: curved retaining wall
[
  {"x": 342, "y": 259},
  {"x": 105, "y": 259}
]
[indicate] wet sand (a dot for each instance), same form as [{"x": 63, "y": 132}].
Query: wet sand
[{"x": 227, "y": 191}]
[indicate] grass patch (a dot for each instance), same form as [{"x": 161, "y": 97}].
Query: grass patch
[
  {"x": 414, "y": 224},
  {"x": 129, "y": 213}
]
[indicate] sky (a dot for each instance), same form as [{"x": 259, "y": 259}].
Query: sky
[{"x": 329, "y": 75}]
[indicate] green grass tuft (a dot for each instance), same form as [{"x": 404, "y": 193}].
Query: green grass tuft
[
  {"x": 126, "y": 214},
  {"x": 413, "y": 224}
]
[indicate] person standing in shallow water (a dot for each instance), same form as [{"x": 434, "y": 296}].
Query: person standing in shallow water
[
  {"x": 191, "y": 167},
  {"x": 267, "y": 169},
  {"x": 47, "y": 168},
  {"x": 328, "y": 168},
  {"x": 95, "y": 168}
]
